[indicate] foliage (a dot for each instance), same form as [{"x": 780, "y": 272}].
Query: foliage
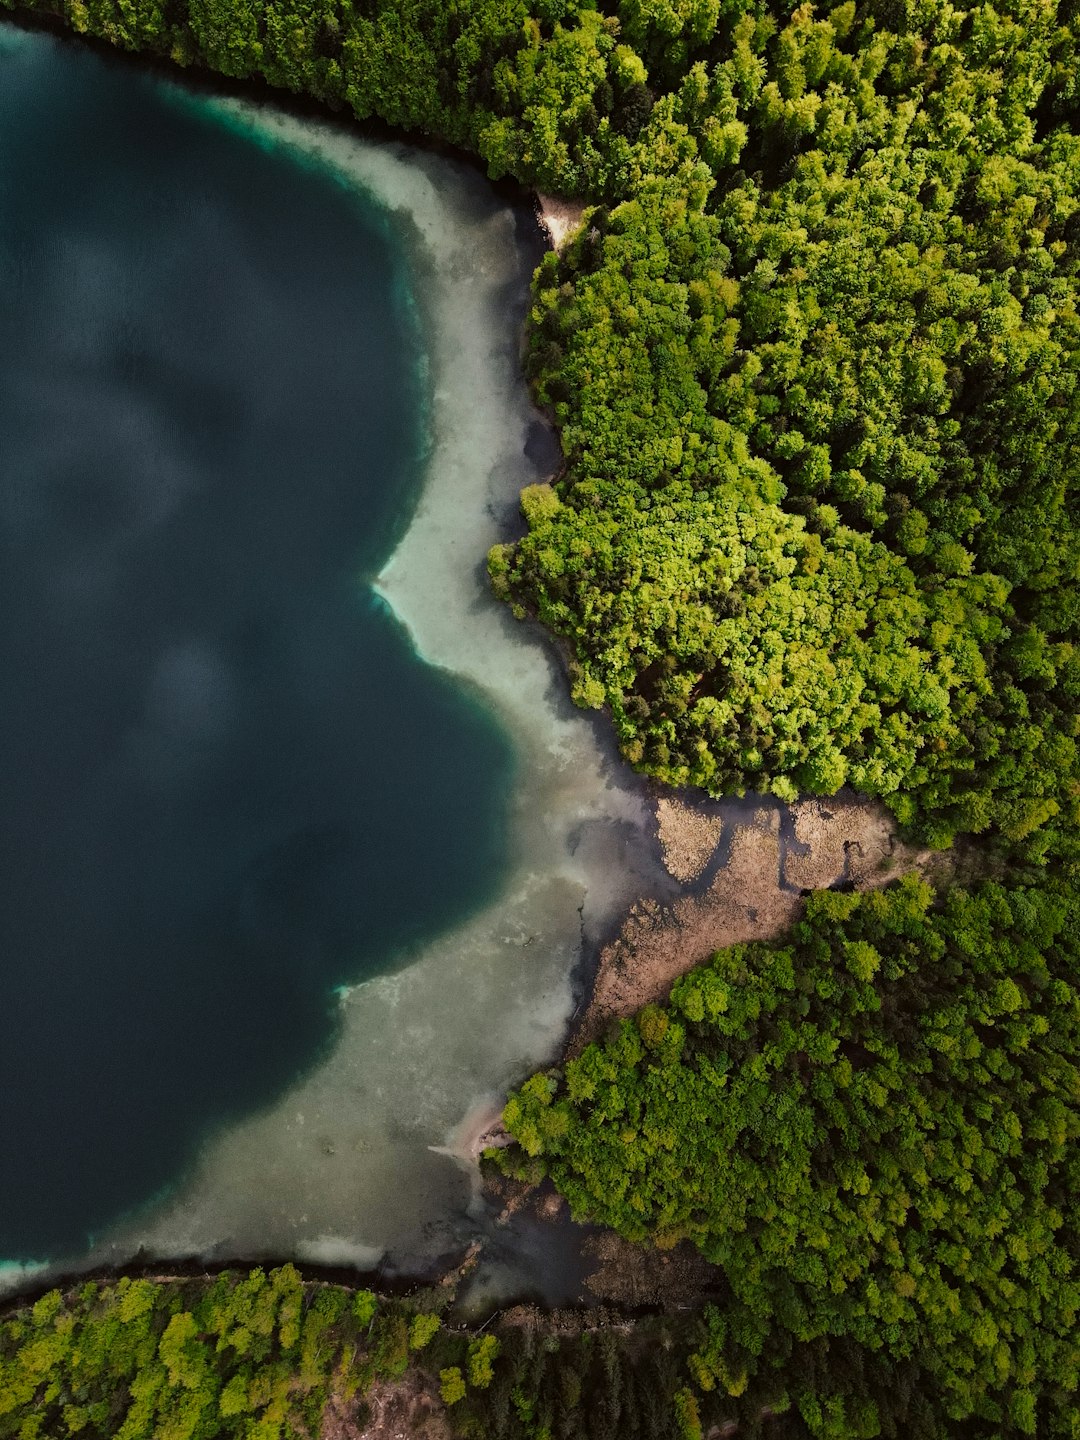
[
  {"x": 483, "y": 1352},
  {"x": 423, "y": 1330},
  {"x": 259, "y": 1356},
  {"x": 451, "y": 1385},
  {"x": 872, "y": 1129},
  {"x": 820, "y": 416},
  {"x": 256, "y": 1356}
]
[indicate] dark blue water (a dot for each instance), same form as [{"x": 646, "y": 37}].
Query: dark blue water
[{"x": 226, "y": 783}]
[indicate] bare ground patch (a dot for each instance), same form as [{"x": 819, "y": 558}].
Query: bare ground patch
[
  {"x": 629, "y": 1275},
  {"x": 558, "y": 218},
  {"x": 688, "y": 838},
  {"x": 756, "y": 894},
  {"x": 405, "y": 1409}
]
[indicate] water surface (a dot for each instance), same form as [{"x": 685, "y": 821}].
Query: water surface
[
  {"x": 228, "y": 785},
  {"x": 359, "y": 1162}
]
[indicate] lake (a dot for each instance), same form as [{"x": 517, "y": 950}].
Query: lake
[
  {"x": 229, "y": 785},
  {"x": 303, "y": 844}
]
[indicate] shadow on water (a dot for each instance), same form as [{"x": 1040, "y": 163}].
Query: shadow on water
[{"x": 529, "y": 1259}]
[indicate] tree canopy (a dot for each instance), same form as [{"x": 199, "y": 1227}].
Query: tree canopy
[
  {"x": 256, "y": 1355},
  {"x": 846, "y": 320},
  {"x": 871, "y": 1128}
]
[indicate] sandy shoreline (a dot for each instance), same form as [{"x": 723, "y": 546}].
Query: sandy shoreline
[
  {"x": 367, "y": 1157},
  {"x": 479, "y": 1129}
]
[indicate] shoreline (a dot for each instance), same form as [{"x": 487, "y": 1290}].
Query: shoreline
[{"x": 368, "y": 1159}]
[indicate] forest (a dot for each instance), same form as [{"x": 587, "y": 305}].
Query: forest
[
  {"x": 813, "y": 357},
  {"x": 872, "y": 1130},
  {"x": 267, "y": 1355},
  {"x": 817, "y": 391}
]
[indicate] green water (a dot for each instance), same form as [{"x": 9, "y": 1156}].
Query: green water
[{"x": 227, "y": 784}]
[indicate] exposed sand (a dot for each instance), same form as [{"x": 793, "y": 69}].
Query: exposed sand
[
  {"x": 559, "y": 219},
  {"x": 754, "y": 894},
  {"x": 479, "y": 1129},
  {"x": 688, "y": 838},
  {"x": 744, "y": 901}
]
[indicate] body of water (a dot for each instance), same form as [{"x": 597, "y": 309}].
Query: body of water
[
  {"x": 304, "y": 844},
  {"x": 228, "y": 785}
]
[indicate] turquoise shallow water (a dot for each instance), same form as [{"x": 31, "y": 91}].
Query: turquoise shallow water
[{"x": 227, "y": 784}]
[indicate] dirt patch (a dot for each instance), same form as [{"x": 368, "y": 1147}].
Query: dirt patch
[
  {"x": 406, "y": 1409},
  {"x": 558, "y": 219},
  {"x": 517, "y": 1196},
  {"x": 855, "y": 843},
  {"x": 550, "y": 1206},
  {"x": 688, "y": 838},
  {"x": 629, "y": 1275},
  {"x": 756, "y": 895},
  {"x": 657, "y": 944}
]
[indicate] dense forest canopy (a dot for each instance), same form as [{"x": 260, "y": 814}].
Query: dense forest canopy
[
  {"x": 872, "y": 1129},
  {"x": 267, "y": 1355},
  {"x": 246, "y": 1355},
  {"x": 820, "y": 414}
]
